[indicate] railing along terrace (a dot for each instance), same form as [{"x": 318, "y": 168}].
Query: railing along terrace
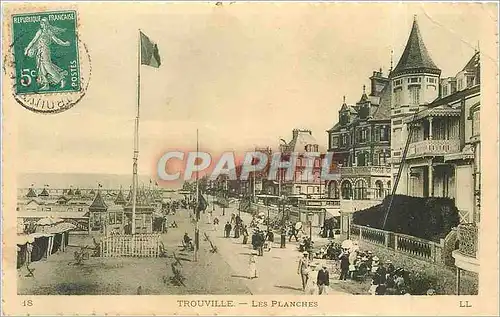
[
  {"x": 413, "y": 245},
  {"x": 468, "y": 239},
  {"x": 409, "y": 245},
  {"x": 372, "y": 235}
]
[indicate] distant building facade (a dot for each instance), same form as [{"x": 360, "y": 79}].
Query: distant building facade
[
  {"x": 360, "y": 143},
  {"x": 302, "y": 144}
]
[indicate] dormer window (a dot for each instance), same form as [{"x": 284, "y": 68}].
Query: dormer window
[
  {"x": 470, "y": 81},
  {"x": 344, "y": 118}
]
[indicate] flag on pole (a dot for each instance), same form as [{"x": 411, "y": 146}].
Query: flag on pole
[{"x": 149, "y": 52}]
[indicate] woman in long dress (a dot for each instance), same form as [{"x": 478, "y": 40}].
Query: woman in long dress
[
  {"x": 39, "y": 47},
  {"x": 252, "y": 265},
  {"x": 312, "y": 280}
]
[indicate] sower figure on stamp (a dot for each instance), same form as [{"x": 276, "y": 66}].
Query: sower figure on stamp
[
  {"x": 39, "y": 47},
  {"x": 303, "y": 269}
]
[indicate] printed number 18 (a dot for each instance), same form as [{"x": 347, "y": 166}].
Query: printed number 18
[
  {"x": 28, "y": 302},
  {"x": 27, "y": 77}
]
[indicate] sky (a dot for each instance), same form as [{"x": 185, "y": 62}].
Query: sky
[{"x": 244, "y": 75}]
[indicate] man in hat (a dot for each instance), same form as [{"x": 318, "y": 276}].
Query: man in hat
[
  {"x": 303, "y": 269},
  {"x": 323, "y": 280},
  {"x": 344, "y": 264},
  {"x": 293, "y": 233},
  {"x": 227, "y": 229}
]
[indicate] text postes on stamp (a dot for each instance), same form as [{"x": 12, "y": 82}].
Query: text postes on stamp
[
  {"x": 49, "y": 64},
  {"x": 46, "y": 52}
]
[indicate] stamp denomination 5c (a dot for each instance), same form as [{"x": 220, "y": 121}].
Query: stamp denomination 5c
[
  {"x": 48, "y": 63},
  {"x": 46, "y": 52}
]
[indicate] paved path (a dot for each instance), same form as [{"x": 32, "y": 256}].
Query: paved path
[{"x": 277, "y": 268}]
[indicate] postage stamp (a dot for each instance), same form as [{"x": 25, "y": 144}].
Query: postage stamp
[
  {"x": 48, "y": 63},
  {"x": 46, "y": 52},
  {"x": 250, "y": 159}
]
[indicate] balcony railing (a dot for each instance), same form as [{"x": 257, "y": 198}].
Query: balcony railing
[
  {"x": 365, "y": 170},
  {"x": 433, "y": 147},
  {"x": 467, "y": 239}
]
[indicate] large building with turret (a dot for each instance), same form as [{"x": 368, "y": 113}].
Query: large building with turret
[{"x": 437, "y": 121}]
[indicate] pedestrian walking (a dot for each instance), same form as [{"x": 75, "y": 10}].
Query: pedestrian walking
[
  {"x": 323, "y": 281},
  {"x": 261, "y": 240},
  {"x": 293, "y": 233},
  {"x": 216, "y": 224},
  {"x": 227, "y": 229},
  {"x": 236, "y": 230},
  {"x": 303, "y": 269},
  {"x": 311, "y": 284},
  {"x": 245, "y": 234},
  {"x": 209, "y": 217},
  {"x": 344, "y": 265},
  {"x": 270, "y": 238},
  {"x": 252, "y": 263}
]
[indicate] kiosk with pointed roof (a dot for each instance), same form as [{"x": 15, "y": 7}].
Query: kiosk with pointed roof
[
  {"x": 31, "y": 193},
  {"x": 44, "y": 193},
  {"x": 98, "y": 210},
  {"x": 120, "y": 200},
  {"x": 143, "y": 213}
]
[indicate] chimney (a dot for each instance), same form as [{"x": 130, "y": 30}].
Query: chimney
[
  {"x": 295, "y": 133},
  {"x": 378, "y": 82}
]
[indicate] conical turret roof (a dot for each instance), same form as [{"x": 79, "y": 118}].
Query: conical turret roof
[
  {"x": 98, "y": 204},
  {"x": 415, "y": 57},
  {"x": 44, "y": 193}
]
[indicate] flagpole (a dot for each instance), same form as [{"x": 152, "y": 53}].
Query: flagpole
[
  {"x": 197, "y": 229},
  {"x": 136, "y": 135}
]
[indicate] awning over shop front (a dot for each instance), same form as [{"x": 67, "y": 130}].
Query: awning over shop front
[
  {"x": 61, "y": 214},
  {"x": 332, "y": 212}
]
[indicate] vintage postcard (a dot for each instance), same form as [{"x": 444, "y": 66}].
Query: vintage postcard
[{"x": 249, "y": 158}]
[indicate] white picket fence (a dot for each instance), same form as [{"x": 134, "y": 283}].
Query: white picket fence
[{"x": 138, "y": 245}]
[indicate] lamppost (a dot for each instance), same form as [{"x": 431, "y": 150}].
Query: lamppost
[
  {"x": 281, "y": 202},
  {"x": 310, "y": 215}
]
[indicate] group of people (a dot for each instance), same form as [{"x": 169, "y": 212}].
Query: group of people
[
  {"x": 386, "y": 278},
  {"x": 313, "y": 281},
  {"x": 262, "y": 239},
  {"x": 235, "y": 224}
]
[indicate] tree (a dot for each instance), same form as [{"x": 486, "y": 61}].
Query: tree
[
  {"x": 203, "y": 184},
  {"x": 187, "y": 186}
]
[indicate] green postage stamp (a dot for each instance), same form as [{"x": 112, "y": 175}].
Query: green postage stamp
[{"x": 45, "y": 47}]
